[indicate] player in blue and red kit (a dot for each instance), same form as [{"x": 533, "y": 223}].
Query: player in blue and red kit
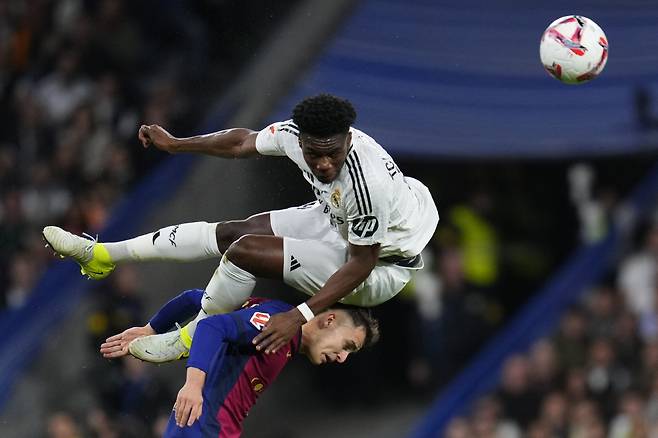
[{"x": 226, "y": 374}]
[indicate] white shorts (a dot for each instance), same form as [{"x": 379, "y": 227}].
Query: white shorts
[{"x": 313, "y": 252}]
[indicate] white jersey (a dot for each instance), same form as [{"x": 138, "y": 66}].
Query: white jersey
[{"x": 370, "y": 201}]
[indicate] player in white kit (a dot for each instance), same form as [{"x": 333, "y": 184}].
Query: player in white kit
[{"x": 358, "y": 243}]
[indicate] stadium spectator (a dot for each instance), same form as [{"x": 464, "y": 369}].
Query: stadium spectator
[
  {"x": 459, "y": 428},
  {"x": 638, "y": 282},
  {"x": 543, "y": 362},
  {"x": 63, "y": 425},
  {"x": 519, "y": 399},
  {"x": 631, "y": 420},
  {"x": 488, "y": 420},
  {"x": 571, "y": 339},
  {"x": 478, "y": 239},
  {"x": 453, "y": 318}
]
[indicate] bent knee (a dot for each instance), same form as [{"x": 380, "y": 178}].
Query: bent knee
[
  {"x": 242, "y": 251},
  {"x": 230, "y": 231}
]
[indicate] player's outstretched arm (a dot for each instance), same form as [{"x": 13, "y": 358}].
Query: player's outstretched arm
[
  {"x": 228, "y": 143},
  {"x": 189, "y": 402}
]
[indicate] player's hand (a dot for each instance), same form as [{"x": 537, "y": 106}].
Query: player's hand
[
  {"x": 157, "y": 136},
  {"x": 279, "y": 330},
  {"x": 117, "y": 345},
  {"x": 189, "y": 402}
]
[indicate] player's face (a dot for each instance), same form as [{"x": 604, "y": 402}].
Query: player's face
[
  {"x": 335, "y": 341},
  {"x": 325, "y": 156}
]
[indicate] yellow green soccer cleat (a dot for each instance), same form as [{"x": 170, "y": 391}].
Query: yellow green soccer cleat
[{"x": 94, "y": 260}]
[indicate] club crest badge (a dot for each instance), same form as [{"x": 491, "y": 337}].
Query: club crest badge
[
  {"x": 256, "y": 384},
  {"x": 335, "y": 198}
]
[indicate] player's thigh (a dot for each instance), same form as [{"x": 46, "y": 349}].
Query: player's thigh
[
  {"x": 383, "y": 283},
  {"x": 307, "y": 221},
  {"x": 308, "y": 264}
]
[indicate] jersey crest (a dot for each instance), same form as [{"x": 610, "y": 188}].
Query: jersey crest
[
  {"x": 335, "y": 198},
  {"x": 259, "y": 319}
]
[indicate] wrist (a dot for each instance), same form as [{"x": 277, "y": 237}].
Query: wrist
[
  {"x": 195, "y": 377},
  {"x": 149, "y": 329},
  {"x": 305, "y": 312},
  {"x": 174, "y": 145}
]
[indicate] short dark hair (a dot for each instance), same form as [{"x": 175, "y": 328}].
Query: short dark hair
[
  {"x": 324, "y": 115},
  {"x": 362, "y": 317}
]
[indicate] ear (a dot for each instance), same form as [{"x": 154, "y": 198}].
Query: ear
[
  {"x": 328, "y": 319},
  {"x": 348, "y": 138}
]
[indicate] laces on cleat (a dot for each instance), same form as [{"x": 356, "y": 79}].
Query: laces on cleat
[{"x": 92, "y": 241}]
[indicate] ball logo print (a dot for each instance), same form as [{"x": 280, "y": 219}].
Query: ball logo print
[
  {"x": 365, "y": 226},
  {"x": 573, "y": 49}
]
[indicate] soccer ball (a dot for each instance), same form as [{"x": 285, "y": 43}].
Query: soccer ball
[{"x": 573, "y": 49}]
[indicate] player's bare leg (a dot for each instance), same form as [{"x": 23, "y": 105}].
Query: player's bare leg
[
  {"x": 180, "y": 243},
  {"x": 230, "y": 286}
]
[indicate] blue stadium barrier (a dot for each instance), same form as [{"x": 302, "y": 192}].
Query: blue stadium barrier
[{"x": 538, "y": 318}]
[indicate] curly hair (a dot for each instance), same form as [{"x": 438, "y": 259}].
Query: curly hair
[{"x": 324, "y": 115}]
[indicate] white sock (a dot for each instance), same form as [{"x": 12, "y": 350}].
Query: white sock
[
  {"x": 181, "y": 243},
  {"x": 228, "y": 289}
]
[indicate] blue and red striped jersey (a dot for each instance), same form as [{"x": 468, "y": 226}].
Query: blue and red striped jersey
[{"x": 236, "y": 373}]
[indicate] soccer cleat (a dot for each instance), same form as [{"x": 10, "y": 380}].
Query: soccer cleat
[
  {"x": 94, "y": 260},
  {"x": 161, "y": 348}
]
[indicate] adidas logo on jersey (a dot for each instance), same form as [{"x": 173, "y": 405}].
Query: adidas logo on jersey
[{"x": 294, "y": 264}]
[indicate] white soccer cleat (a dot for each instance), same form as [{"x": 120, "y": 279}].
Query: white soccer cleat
[
  {"x": 165, "y": 347},
  {"x": 94, "y": 260}
]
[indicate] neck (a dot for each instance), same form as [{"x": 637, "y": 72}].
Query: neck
[{"x": 306, "y": 339}]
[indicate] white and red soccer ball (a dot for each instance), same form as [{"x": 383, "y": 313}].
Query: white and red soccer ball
[{"x": 573, "y": 49}]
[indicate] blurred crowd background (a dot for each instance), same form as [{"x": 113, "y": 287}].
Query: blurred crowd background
[
  {"x": 78, "y": 77},
  {"x": 596, "y": 376}
]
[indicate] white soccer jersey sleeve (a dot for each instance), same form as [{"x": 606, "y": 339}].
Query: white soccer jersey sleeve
[
  {"x": 274, "y": 139},
  {"x": 367, "y": 207}
]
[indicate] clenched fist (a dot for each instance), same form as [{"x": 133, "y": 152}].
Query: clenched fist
[{"x": 157, "y": 136}]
